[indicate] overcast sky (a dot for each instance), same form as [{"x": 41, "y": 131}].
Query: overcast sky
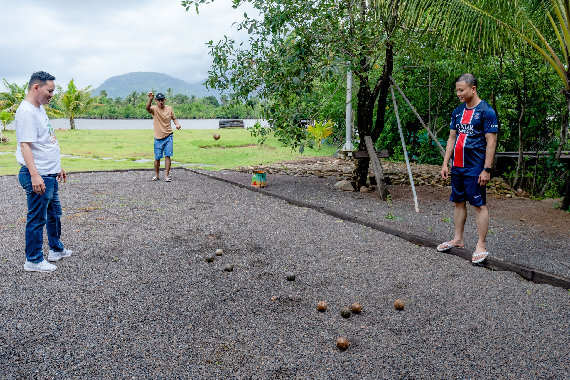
[{"x": 92, "y": 40}]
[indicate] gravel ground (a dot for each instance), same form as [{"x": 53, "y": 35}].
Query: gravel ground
[
  {"x": 517, "y": 240},
  {"x": 137, "y": 299}
]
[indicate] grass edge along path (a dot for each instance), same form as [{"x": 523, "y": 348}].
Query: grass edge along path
[{"x": 100, "y": 150}]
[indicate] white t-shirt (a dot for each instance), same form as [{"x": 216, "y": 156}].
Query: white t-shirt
[{"x": 33, "y": 126}]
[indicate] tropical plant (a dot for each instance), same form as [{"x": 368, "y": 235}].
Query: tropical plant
[
  {"x": 74, "y": 101},
  {"x": 320, "y": 130},
  {"x": 10, "y": 100},
  {"x": 6, "y": 118}
]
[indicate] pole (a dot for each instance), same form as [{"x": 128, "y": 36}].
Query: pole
[
  {"x": 405, "y": 150},
  {"x": 348, "y": 147}
]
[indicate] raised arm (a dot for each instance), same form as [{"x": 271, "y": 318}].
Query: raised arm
[{"x": 149, "y": 103}]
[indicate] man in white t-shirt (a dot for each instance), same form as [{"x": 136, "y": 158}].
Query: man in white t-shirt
[{"x": 38, "y": 153}]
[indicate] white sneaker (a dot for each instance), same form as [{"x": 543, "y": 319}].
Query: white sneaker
[
  {"x": 42, "y": 266},
  {"x": 55, "y": 256}
]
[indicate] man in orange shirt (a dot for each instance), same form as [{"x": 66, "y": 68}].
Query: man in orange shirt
[{"x": 163, "y": 141}]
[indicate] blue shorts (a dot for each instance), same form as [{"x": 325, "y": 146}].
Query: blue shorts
[
  {"x": 163, "y": 147},
  {"x": 465, "y": 188}
]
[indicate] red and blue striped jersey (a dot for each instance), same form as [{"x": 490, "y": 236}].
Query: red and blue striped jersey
[{"x": 471, "y": 126}]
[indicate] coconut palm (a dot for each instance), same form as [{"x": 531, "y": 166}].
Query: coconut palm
[{"x": 75, "y": 101}]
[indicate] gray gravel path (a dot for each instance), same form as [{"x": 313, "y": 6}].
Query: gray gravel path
[
  {"x": 137, "y": 299},
  {"x": 512, "y": 240}
]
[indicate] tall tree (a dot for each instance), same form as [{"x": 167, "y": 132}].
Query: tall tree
[
  {"x": 74, "y": 101},
  {"x": 297, "y": 44}
]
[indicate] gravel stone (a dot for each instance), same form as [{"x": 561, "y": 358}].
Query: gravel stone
[{"x": 137, "y": 300}]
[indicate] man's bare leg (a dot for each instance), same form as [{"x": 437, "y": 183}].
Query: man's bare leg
[
  {"x": 167, "y": 165},
  {"x": 482, "y": 220},
  {"x": 156, "y": 168}
]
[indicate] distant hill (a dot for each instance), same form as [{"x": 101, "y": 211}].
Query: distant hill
[{"x": 123, "y": 85}]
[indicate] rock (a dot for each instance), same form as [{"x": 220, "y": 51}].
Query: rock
[
  {"x": 344, "y": 185},
  {"x": 364, "y": 189}
]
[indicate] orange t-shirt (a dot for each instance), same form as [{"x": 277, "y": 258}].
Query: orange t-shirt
[{"x": 161, "y": 121}]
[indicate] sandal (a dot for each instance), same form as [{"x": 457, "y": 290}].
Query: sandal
[
  {"x": 155, "y": 179},
  {"x": 479, "y": 257},
  {"x": 168, "y": 179},
  {"x": 443, "y": 247}
]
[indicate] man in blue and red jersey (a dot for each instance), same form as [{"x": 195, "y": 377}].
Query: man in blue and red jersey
[{"x": 472, "y": 142}]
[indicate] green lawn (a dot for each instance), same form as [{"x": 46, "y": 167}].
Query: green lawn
[{"x": 99, "y": 150}]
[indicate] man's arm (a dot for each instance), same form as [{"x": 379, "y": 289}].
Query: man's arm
[
  {"x": 38, "y": 184},
  {"x": 491, "y": 138},
  {"x": 149, "y": 103},
  {"x": 448, "y": 152},
  {"x": 175, "y": 121}
]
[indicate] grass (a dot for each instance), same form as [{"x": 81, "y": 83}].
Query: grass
[{"x": 99, "y": 149}]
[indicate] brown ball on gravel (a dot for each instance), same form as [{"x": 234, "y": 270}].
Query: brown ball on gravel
[
  {"x": 345, "y": 312},
  {"x": 210, "y": 258},
  {"x": 290, "y": 276},
  {"x": 216, "y": 136},
  {"x": 342, "y": 343},
  {"x": 219, "y": 252},
  {"x": 399, "y": 304},
  {"x": 356, "y": 308},
  {"x": 322, "y": 306},
  {"x": 229, "y": 268}
]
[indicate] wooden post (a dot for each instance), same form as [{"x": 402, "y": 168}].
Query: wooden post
[{"x": 376, "y": 167}]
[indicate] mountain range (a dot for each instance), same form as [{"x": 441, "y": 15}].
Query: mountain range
[{"x": 123, "y": 85}]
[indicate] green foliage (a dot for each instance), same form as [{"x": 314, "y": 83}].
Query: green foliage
[
  {"x": 320, "y": 130},
  {"x": 6, "y": 118}
]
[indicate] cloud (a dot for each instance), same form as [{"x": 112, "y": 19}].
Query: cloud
[{"x": 91, "y": 41}]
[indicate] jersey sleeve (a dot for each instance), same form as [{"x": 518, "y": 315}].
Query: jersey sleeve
[
  {"x": 26, "y": 129},
  {"x": 491, "y": 121}
]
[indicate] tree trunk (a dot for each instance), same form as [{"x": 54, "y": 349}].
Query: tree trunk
[
  {"x": 71, "y": 122},
  {"x": 364, "y": 115},
  {"x": 566, "y": 200}
]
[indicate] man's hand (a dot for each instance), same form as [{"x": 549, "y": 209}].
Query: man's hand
[
  {"x": 38, "y": 184},
  {"x": 484, "y": 178},
  {"x": 150, "y": 96},
  {"x": 62, "y": 176},
  {"x": 178, "y": 126},
  {"x": 444, "y": 172}
]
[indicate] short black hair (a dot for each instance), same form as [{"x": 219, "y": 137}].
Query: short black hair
[
  {"x": 467, "y": 78},
  {"x": 40, "y": 77}
]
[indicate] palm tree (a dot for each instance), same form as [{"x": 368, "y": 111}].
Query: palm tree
[{"x": 75, "y": 101}]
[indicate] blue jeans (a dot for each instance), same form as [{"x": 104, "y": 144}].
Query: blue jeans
[{"x": 43, "y": 209}]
